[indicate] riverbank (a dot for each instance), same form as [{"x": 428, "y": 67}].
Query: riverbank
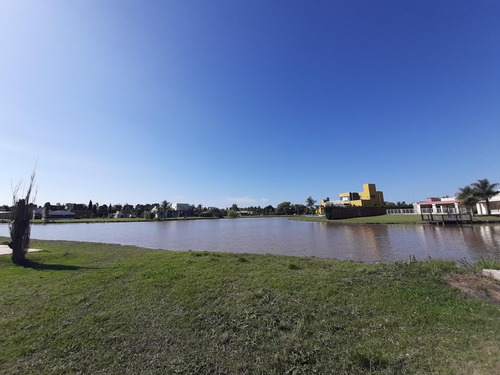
[
  {"x": 87, "y": 307},
  {"x": 391, "y": 219}
]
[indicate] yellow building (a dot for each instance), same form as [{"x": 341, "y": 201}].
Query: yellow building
[
  {"x": 320, "y": 210},
  {"x": 369, "y": 197}
]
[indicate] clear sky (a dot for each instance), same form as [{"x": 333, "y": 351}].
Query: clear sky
[{"x": 249, "y": 102}]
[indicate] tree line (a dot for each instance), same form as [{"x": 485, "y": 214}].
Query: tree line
[{"x": 145, "y": 210}]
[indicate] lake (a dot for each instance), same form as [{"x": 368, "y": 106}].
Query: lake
[{"x": 367, "y": 243}]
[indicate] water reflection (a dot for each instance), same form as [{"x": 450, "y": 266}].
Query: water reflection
[{"x": 369, "y": 243}]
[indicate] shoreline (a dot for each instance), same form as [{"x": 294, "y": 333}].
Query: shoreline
[{"x": 387, "y": 219}]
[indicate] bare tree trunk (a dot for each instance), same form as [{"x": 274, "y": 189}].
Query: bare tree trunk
[
  {"x": 20, "y": 232},
  {"x": 20, "y": 228}
]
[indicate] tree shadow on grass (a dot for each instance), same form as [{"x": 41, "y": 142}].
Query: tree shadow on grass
[{"x": 53, "y": 267}]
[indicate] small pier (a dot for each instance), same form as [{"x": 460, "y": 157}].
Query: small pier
[{"x": 443, "y": 219}]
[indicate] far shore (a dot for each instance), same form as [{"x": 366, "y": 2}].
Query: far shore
[{"x": 384, "y": 219}]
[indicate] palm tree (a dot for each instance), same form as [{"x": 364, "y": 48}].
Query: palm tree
[
  {"x": 484, "y": 190},
  {"x": 467, "y": 196},
  {"x": 310, "y": 203}
]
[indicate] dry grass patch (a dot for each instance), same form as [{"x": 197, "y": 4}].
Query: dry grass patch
[{"x": 476, "y": 286}]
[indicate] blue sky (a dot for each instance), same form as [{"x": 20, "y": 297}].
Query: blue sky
[{"x": 247, "y": 102}]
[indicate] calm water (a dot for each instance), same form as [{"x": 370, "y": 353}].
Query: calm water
[{"x": 368, "y": 243}]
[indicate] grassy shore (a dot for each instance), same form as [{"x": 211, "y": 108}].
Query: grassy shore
[
  {"x": 99, "y": 308},
  {"x": 391, "y": 219}
]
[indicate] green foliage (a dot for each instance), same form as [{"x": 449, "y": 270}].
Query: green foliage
[
  {"x": 468, "y": 196},
  {"x": 484, "y": 189},
  {"x": 310, "y": 204},
  {"x": 232, "y": 214},
  {"x": 477, "y": 191}
]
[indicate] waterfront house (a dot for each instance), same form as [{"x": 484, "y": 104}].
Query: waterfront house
[
  {"x": 175, "y": 210},
  {"x": 181, "y": 210},
  {"x": 494, "y": 205},
  {"x": 438, "y": 206},
  {"x": 59, "y": 214},
  {"x": 369, "y": 197},
  {"x": 37, "y": 213}
]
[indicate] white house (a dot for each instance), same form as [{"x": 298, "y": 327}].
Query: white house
[
  {"x": 494, "y": 206},
  {"x": 438, "y": 206},
  {"x": 175, "y": 210}
]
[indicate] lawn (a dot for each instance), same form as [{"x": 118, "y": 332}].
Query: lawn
[{"x": 110, "y": 309}]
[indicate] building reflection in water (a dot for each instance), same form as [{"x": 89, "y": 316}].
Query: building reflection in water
[
  {"x": 383, "y": 243},
  {"x": 483, "y": 241}
]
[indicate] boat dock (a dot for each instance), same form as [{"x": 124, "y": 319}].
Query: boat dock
[{"x": 443, "y": 219}]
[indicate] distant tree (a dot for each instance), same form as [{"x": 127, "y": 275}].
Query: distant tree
[
  {"x": 269, "y": 210},
  {"x": 234, "y": 207},
  {"x": 139, "y": 210},
  {"x": 232, "y": 214},
  {"x": 90, "y": 207},
  {"x": 20, "y": 229},
  {"x": 102, "y": 211},
  {"x": 468, "y": 197},
  {"x": 284, "y": 208},
  {"x": 127, "y": 209},
  {"x": 160, "y": 212},
  {"x": 166, "y": 206},
  {"x": 299, "y": 209},
  {"x": 310, "y": 204},
  {"x": 216, "y": 212},
  {"x": 197, "y": 210},
  {"x": 485, "y": 190}
]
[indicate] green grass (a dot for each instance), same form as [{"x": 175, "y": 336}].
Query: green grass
[
  {"x": 491, "y": 219},
  {"x": 110, "y": 309}
]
